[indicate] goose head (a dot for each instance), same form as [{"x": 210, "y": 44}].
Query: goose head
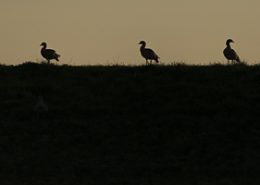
[
  {"x": 44, "y": 44},
  {"x": 142, "y": 43},
  {"x": 229, "y": 41}
]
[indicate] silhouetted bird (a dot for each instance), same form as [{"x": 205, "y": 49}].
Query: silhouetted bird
[
  {"x": 49, "y": 54},
  {"x": 229, "y": 53},
  {"x": 148, "y": 53}
]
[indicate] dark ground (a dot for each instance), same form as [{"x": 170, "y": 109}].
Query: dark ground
[{"x": 157, "y": 125}]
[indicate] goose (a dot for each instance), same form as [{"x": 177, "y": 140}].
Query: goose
[
  {"x": 49, "y": 54},
  {"x": 229, "y": 53},
  {"x": 148, "y": 53}
]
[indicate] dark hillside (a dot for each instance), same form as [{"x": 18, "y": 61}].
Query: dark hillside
[{"x": 130, "y": 125}]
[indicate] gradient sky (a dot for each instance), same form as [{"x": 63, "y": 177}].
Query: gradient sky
[{"x": 108, "y": 31}]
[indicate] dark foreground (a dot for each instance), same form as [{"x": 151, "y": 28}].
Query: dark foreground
[{"x": 160, "y": 125}]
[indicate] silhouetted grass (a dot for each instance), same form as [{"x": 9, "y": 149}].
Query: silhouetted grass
[{"x": 176, "y": 124}]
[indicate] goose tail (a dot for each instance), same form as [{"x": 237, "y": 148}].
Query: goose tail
[
  {"x": 238, "y": 59},
  {"x": 57, "y": 56}
]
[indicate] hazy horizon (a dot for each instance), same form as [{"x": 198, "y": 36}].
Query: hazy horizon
[{"x": 108, "y": 32}]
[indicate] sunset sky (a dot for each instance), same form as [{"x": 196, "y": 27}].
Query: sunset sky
[{"x": 87, "y": 32}]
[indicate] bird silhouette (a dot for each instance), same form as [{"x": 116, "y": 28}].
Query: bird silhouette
[
  {"x": 229, "y": 53},
  {"x": 49, "y": 54},
  {"x": 148, "y": 53}
]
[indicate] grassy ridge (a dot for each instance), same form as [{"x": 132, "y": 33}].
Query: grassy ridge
[{"x": 130, "y": 125}]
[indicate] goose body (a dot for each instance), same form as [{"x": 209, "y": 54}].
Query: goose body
[
  {"x": 229, "y": 53},
  {"x": 49, "y": 54},
  {"x": 148, "y": 53}
]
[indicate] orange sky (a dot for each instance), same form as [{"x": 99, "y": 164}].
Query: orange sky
[{"x": 107, "y": 32}]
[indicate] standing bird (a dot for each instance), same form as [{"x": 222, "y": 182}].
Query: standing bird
[
  {"x": 148, "y": 53},
  {"x": 49, "y": 54},
  {"x": 229, "y": 53}
]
